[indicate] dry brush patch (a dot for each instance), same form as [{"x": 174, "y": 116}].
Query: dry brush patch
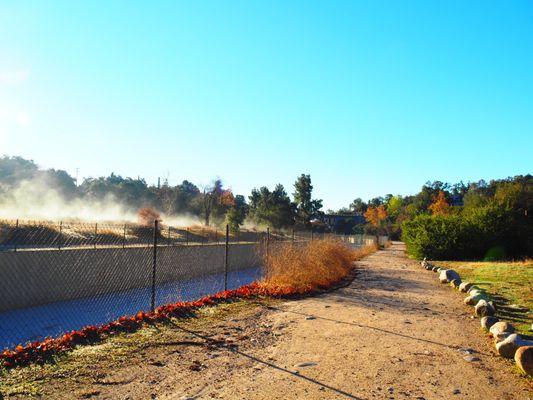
[{"x": 303, "y": 268}]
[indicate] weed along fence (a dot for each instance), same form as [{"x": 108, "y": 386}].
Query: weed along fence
[{"x": 55, "y": 278}]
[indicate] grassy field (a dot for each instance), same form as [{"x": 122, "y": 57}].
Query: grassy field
[{"x": 509, "y": 283}]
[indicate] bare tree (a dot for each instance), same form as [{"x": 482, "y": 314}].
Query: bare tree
[{"x": 207, "y": 203}]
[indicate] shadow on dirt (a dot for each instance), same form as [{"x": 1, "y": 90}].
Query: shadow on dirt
[{"x": 232, "y": 348}]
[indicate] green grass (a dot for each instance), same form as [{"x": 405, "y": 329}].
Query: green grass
[{"x": 509, "y": 283}]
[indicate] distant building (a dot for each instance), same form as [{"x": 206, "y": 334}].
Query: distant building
[
  {"x": 343, "y": 223},
  {"x": 456, "y": 200}
]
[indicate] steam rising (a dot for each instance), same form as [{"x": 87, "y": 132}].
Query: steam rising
[{"x": 35, "y": 200}]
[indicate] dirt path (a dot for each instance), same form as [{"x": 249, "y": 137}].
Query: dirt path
[{"x": 393, "y": 333}]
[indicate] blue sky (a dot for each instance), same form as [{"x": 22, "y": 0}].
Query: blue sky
[{"x": 368, "y": 97}]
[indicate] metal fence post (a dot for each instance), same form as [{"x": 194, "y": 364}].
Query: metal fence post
[
  {"x": 187, "y": 237},
  {"x": 293, "y": 235},
  {"x": 124, "y": 238},
  {"x": 168, "y": 240},
  {"x": 154, "y": 264},
  {"x": 311, "y": 233},
  {"x": 95, "y": 234},
  {"x": 226, "y": 259},
  {"x": 60, "y": 234},
  {"x": 267, "y": 241},
  {"x": 15, "y": 235}
]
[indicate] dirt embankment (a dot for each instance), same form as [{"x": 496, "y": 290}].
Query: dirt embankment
[{"x": 393, "y": 333}]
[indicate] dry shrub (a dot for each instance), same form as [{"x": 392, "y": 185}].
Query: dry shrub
[
  {"x": 301, "y": 268},
  {"x": 146, "y": 216}
]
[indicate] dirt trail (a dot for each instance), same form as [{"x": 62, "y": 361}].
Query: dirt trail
[{"x": 392, "y": 333}]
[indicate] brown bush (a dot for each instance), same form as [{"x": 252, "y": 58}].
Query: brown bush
[
  {"x": 146, "y": 216},
  {"x": 314, "y": 265}
]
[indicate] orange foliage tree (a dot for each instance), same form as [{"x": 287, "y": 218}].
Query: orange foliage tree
[
  {"x": 440, "y": 205},
  {"x": 227, "y": 198},
  {"x": 376, "y": 215}
]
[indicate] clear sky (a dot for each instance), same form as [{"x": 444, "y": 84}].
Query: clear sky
[{"x": 368, "y": 97}]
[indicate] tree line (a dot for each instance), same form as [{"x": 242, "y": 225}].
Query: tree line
[
  {"x": 463, "y": 220},
  {"x": 213, "y": 204},
  {"x": 476, "y": 220}
]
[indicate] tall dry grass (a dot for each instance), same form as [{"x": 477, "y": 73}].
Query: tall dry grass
[{"x": 302, "y": 268}]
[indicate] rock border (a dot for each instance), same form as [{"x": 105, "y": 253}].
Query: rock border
[{"x": 507, "y": 343}]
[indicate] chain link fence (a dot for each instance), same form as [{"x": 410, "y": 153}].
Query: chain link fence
[{"x": 58, "y": 277}]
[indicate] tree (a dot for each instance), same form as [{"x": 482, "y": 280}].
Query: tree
[
  {"x": 216, "y": 201},
  {"x": 428, "y": 193},
  {"x": 133, "y": 193},
  {"x": 271, "y": 208},
  {"x": 440, "y": 205},
  {"x": 394, "y": 206},
  {"x": 376, "y": 216},
  {"x": 13, "y": 170},
  {"x": 358, "y": 206},
  {"x": 208, "y": 199},
  {"x": 306, "y": 208},
  {"x": 236, "y": 213},
  {"x": 376, "y": 202}
]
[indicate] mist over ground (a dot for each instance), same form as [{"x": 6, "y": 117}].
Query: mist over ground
[{"x": 30, "y": 193}]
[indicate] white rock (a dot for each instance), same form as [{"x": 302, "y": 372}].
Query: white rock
[
  {"x": 455, "y": 283},
  {"x": 487, "y": 322},
  {"x": 473, "y": 288},
  {"x": 484, "y": 308},
  {"x": 501, "y": 326},
  {"x": 473, "y": 299},
  {"x": 508, "y": 347},
  {"x": 447, "y": 275},
  {"x": 524, "y": 359},
  {"x": 501, "y": 336},
  {"x": 465, "y": 286}
]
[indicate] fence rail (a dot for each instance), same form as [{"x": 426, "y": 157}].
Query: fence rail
[{"x": 56, "y": 277}]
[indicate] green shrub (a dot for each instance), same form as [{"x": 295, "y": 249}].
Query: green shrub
[
  {"x": 434, "y": 237},
  {"x": 485, "y": 232},
  {"x": 496, "y": 253}
]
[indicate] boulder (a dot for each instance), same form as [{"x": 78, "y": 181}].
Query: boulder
[
  {"x": 435, "y": 269},
  {"x": 524, "y": 359},
  {"x": 487, "y": 322},
  {"x": 464, "y": 286},
  {"x": 508, "y": 347},
  {"x": 501, "y": 336},
  {"x": 455, "y": 283},
  {"x": 473, "y": 299},
  {"x": 473, "y": 288},
  {"x": 501, "y": 326},
  {"x": 424, "y": 262},
  {"x": 484, "y": 308},
  {"x": 476, "y": 291},
  {"x": 447, "y": 275}
]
